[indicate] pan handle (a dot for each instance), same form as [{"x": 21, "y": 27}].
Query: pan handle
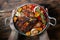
[
  {"x": 9, "y": 18},
  {"x": 7, "y": 21},
  {"x": 53, "y": 19}
]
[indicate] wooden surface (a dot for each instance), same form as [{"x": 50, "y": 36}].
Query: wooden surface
[
  {"x": 54, "y": 11},
  {"x": 4, "y": 30}
]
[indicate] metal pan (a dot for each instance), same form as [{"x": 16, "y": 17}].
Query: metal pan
[{"x": 15, "y": 28}]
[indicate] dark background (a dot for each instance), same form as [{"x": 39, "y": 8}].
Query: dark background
[{"x": 54, "y": 11}]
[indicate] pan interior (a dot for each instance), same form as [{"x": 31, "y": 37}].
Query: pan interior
[{"x": 30, "y": 19}]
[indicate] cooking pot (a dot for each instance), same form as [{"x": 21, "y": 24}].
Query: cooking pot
[{"x": 13, "y": 27}]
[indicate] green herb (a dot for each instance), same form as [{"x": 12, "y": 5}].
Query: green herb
[{"x": 41, "y": 14}]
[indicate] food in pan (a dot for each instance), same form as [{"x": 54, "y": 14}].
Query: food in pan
[{"x": 30, "y": 19}]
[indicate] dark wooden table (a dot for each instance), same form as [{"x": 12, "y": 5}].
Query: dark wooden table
[{"x": 54, "y": 11}]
